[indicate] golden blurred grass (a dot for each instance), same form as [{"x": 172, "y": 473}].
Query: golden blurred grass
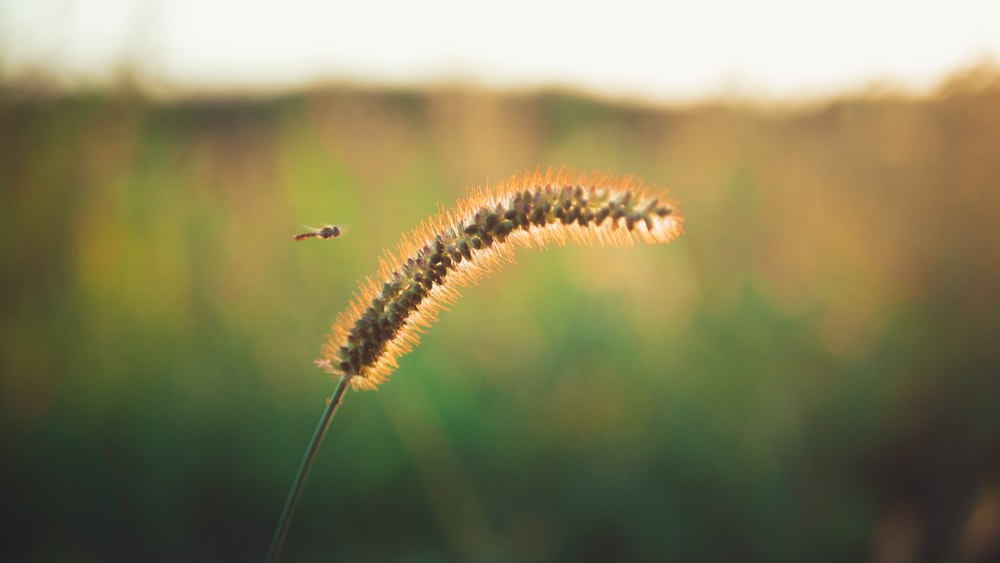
[{"x": 791, "y": 373}]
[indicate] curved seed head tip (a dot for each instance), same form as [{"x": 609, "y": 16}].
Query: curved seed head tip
[{"x": 458, "y": 246}]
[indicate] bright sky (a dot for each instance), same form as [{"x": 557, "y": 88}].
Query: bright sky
[{"x": 668, "y": 50}]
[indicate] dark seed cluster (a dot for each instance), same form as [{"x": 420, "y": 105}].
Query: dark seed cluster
[{"x": 412, "y": 282}]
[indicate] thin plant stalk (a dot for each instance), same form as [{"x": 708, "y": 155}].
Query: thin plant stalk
[
  {"x": 278, "y": 541},
  {"x": 456, "y": 248}
]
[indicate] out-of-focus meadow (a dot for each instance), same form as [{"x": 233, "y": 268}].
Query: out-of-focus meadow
[{"x": 811, "y": 373}]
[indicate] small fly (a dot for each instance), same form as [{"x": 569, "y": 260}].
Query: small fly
[{"x": 327, "y": 232}]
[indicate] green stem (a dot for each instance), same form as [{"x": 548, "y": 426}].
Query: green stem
[{"x": 300, "y": 478}]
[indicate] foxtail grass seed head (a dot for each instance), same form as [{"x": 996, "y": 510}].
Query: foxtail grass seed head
[{"x": 459, "y": 246}]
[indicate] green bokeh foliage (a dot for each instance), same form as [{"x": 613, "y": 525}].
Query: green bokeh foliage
[{"x": 810, "y": 373}]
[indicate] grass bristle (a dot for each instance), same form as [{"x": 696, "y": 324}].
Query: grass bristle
[{"x": 455, "y": 248}]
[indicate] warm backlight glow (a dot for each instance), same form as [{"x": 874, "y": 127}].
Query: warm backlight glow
[{"x": 661, "y": 50}]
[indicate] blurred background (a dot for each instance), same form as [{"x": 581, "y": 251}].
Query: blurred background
[{"x": 811, "y": 373}]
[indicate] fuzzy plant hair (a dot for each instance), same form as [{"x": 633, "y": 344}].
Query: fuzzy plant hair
[{"x": 455, "y": 248}]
